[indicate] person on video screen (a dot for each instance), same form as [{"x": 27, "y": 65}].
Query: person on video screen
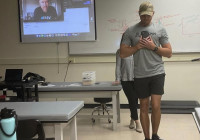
[{"x": 45, "y": 12}]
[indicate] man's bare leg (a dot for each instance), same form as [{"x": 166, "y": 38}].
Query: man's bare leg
[
  {"x": 144, "y": 117},
  {"x": 156, "y": 113}
]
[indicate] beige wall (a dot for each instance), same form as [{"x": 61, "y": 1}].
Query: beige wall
[
  {"x": 182, "y": 79},
  {"x": 50, "y": 60}
]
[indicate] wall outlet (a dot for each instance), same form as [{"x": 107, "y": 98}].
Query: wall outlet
[{"x": 71, "y": 60}]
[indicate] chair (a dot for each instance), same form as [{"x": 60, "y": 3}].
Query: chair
[
  {"x": 28, "y": 129},
  {"x": 103, "y": 107}
]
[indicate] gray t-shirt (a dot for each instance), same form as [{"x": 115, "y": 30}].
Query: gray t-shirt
[{"x": 146, "y": 62}]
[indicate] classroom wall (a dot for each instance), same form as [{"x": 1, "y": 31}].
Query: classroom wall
[
  {"x": 182, "y": 78},
  {"x": 51, "y": 60}
]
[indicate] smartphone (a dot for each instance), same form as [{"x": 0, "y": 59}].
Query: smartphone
[{"x": 144, "y": 34}]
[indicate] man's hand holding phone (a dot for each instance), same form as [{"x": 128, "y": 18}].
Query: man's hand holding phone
[{"x": 147, "y": 41}]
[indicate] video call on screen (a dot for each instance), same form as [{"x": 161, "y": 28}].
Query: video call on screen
[{"x": 57, "y": 20}]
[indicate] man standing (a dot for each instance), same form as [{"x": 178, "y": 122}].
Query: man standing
[
  {"x": 148, "y": 42},
  {"x": 45, "y": 12}
]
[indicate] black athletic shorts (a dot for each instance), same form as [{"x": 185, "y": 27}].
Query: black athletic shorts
[{"x": 145, "y": 87}]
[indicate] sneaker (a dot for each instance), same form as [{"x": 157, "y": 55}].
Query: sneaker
[
  {"x": 132, "y": 124},
  {"x": 138, "y": 128},
  {"x": 156, "y": 137}
]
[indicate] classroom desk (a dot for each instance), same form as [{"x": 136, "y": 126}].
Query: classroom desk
[
  {"x": 24, "y": 88},
  {"x": 57, "y": 112},
  {"x": 196, "y": 115},
  {"x": 77, "y": 90}
]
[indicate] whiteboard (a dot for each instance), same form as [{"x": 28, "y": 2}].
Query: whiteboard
[{"x": 180, "y": 18}]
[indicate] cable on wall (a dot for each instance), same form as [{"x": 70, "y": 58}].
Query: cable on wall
[
  {"x": 57, "y": 44},
  {"x": 67, "y": 70},
  {"x": 69, "y": 62}
]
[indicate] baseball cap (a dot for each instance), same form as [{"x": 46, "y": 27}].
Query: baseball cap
[{"x": 146, "y": 8}]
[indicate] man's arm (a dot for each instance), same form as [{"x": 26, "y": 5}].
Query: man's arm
[
  {"x": 165, "y": 50},
  {"x": 126, "y": 50}
]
